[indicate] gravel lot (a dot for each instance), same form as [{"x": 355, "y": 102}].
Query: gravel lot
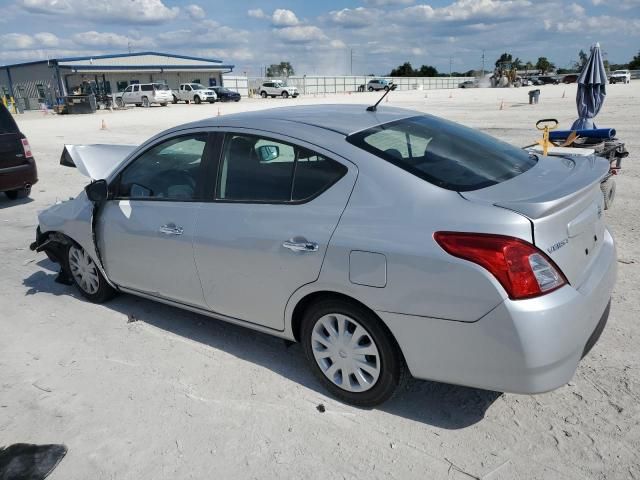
[{"x": 138, "y": 390}]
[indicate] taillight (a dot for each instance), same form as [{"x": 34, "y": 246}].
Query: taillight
[
  {"x": 523, "y": 270},
  {"x": 27, "y": 148}
]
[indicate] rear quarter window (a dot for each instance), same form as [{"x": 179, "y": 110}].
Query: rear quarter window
[{"x": 444, "y": 153}]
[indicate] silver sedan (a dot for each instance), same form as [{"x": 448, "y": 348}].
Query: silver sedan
[{"x": 388, "y": 243}]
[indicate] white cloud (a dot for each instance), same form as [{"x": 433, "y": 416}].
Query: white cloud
[
  {"x": 221, "y": 35},
  {"x": 356, "y": 17},
  {"x": 257, "y": 13},
  {"x": 195, "y": 12},
  {"x": 383, "y": 3},
  {"x": 300, "y": 34},
  {"x": 109, "y": 40},
  {"x": 120, "y": 11},
  {"x": 46, "y": 39},
  {"x": 16, "y": 41},
  {"x": 284, "y": 18},
  {"x": 463, "y": 11},
  {"x": 337, "y": 44}
]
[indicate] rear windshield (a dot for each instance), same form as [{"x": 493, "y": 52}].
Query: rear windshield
[
  {"x": 444, "y": 153},
  {"x": 7, "y": 124}
]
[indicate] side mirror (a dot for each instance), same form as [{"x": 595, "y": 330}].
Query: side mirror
[
  {"x": 268, "y": 152},
  {"x": 97, "y": 191}
]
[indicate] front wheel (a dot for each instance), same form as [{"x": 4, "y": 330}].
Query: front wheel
[
  {"x": 86, "y": 275},
  {"x": 285, "y": 94},
  {"x": 120, "y": 102},
  {"x": 263, "y": 94},
  {"x": 371, "y": 89},
  {"x": 352, "y": 353},
  {"x": 175, "y": 100},
  {"x": 197, "y": 100}
]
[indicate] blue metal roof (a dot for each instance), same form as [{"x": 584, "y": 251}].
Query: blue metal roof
[{"x": 137, "y": 54}]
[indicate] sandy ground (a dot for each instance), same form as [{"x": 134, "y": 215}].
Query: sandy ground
[{"x": 178, "y": 395}]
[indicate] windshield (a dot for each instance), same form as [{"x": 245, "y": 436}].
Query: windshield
[
  {"x": 620, "y": 71},
  {"x": 444, "y": 153},
  {"x": 198, "y": 86}
]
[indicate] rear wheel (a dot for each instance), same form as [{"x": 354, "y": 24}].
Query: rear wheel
[
  {"x": 145, "y": 102},
  {"x": 120, "y": 102},
  {"x": 263, "y": 94},
  {"x": 86, "y": 275},
  {"x": 371, "y": 89},
  {"x": 20, "y": 193},
  {"x": 197, "y": 100},
  {"x": 351, "y": 352}
]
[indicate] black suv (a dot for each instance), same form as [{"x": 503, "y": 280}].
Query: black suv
[{"x": 17, "y": 166}]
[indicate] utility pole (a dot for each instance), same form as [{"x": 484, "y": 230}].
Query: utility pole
[
  {"x": 351, "y": 70},
  {"x": 450, "y": 63},
  {"x": 482, "y": 76}
]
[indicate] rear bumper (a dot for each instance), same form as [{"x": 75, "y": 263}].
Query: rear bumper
[
  {"x": 526, "y": 346},
  {"x": 15, "y": 178}
]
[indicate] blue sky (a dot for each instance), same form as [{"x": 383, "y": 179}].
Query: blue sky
[{"x": 319, "y": 36}]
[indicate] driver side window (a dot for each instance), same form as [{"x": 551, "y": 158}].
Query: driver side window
[{"x": 167, "y": 171}]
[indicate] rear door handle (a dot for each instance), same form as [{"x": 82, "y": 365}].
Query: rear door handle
[
  {"x": 301, "y": 246},
  {"x": 171, "y": 229}
]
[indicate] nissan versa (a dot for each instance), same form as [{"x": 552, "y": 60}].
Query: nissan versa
[{"x": 386, "y": 242}]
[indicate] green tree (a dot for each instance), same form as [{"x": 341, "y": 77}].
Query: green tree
[
  {"x": 528, "y": 65},
  {"x": 516, "y": 63},
  {"x": 404, "y": 70},
  {"x": 635, "y": 63},
  {"x": 582, "y": 60},
  {"x": 504, "y": 58},
  {"x": 427, "y": 71},
  {"x": 544, "y": 65},
  {"x": 282, "y": 69}
]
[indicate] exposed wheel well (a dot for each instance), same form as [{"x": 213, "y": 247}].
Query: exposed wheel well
[{"x": 310, "y": 299}]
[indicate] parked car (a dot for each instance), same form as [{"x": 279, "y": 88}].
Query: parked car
[
  {"x": 194, "y": 92},
  {"x": 18, "y": 170},
  {"x": 226, "y": 95},
  {"x": 571, "y": 78},
  {"x": 468, "y": 84},
  {"x": 620, "y": 76},
  {"x": 144, "y": 95},
  {"x": 545, "y": 80},
  {"x": 478, "y": 263},
  {"x": 277, "y": 88},
  {"x": 378, "y": 84}
]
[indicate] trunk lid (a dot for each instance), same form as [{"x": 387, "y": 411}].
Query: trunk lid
[{"x": 561, "y": 197}]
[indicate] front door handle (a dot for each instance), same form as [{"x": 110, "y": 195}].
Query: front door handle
[
  {"x": 302, "y": 246},
  {"x": 171, "y": 229}
]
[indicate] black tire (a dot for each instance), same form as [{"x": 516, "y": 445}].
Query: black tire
[
  {"x": 103, "y": 292},
  {"x": 164, "y": 104},
  {"x": 119, "y": 102},
  {"x": 608, "y": 188},
  {"x": 237, "y": 100},
  {"x": 263, "y": 94},
  {"x": 197, "y": 100},
  {"x": 175, "y": 100},
  {"x": 393, "y": 371},
  {"x": 145, "y": 102},
  {"x": 212, "y": 101},
  {"x": 386, "y": 89},
  {"x": 285, "y": 94},
  {"x": 371, "y": 89},
  {"x": 20, "y": 193}
]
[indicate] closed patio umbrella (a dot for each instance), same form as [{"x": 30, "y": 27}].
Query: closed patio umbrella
[{"x": 592, "y": 84}]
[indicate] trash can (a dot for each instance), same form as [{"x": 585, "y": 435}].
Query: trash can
[{"x": 534, "y": 96}]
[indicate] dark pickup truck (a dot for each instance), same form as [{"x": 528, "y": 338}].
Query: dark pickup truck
[{"x": 17, "y": 165}]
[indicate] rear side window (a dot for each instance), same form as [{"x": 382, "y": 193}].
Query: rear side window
[
  {"x": 257, "y": 169},
  {"x": 7, "y": 124},
  {"x": 147, "y": 88},
  {"x": 444, "y": 153}
]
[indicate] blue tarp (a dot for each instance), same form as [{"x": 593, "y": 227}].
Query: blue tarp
[{"x": 592, "y": 84}]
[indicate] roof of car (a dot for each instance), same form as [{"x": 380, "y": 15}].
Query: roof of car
[{"x": 343, "y": 119}]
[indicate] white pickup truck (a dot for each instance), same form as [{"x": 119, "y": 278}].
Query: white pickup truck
[
  {"x": 194, "y": 92},
  {"x": 620, "y": 76}
]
